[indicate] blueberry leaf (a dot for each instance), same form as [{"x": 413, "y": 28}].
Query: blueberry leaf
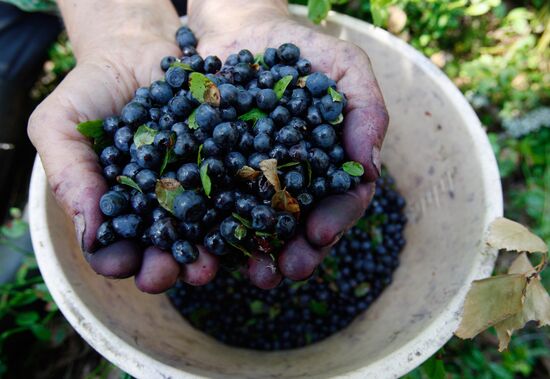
[
  {"x": 353, "y": 168},
  {"x": 283, "y": 201},
  {"x": 240, "y": 232},
  {"x": 337, "y": 120},
  {"x": 127, "y": 181},
  {"x": 240, "y": 248},
  {"x": 253, "y": 115},
  {"x": 192, "y": 121},
  {"x": 259, "y": 60},
  {"x": 281, "y": 85},
  {"x": 362, "y": 289},
  {"x": 91, "y": 129},
  {"x": 318, "y": 307},
  {"x": 289, "y": 164},
  {"x": 301, "y": 82},
  {"x": 264, "y": 234},
  {"x": 336, "y": 96},
  {"x": 144, "y": 136},
  {"x": 167, "y": 190},
  {"x": 203, "y": 89},
  {"x": 185, "y": 66},
  {"x": 205, "y": 180},
  {"x": 317, "y": 10},
  {"x": 257, "y": 307},
  {"x": 309, "y": 172},
  {"x": 242, "y": 220},
  {"x": 101, "y": 143},
  {"x": 169, "y": 157},
  {"x": 199, "y": 155},
  {"x": 27, "y": 318}
]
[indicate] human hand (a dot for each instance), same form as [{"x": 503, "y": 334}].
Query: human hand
[
  {"x": 117, "y": 53},
  {"x": 255, "y": 26}
]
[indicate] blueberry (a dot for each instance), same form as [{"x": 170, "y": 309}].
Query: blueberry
[
  {"x": 225, "y": 134},
  {"x": 266, "y": 99},
  {"x": 216, "y": 170},
  {"x": 160, "y": 92},
  {"x": 164, "y": 139},
  {"x": 246, "y": 143},
  {"x": 131, "y": 170},
  {"x": 228, "y": 114},
  {"x": 279, "y": 152},
  {"x": 303, "y": 66},
  {"x": 263, "y": 217},
  {"x": 185, "y": 38},
  {"x": 180, "y": 128},
  {"x": 234, "y": 161},
  {"x": 189, "y": 206},
  {"x": 336, "y": 154},
  {"x": 111, "y": 172},
  {"x": 289, "y": 71},
  {"x": 210, "y": 148},
  {"x": 285, "y": 226},
  {"x": 144, "y": 101},
  {"x": 180, "y": 106},
  {"x": 298, "y": 152},
  {"x": 255, "y": 159},
  {"x": 110, "y": 155},
  {"x": 339, "y": 181},
  {"x": 228, "y": 95},
  {"x": 113, "y": 203},
  {"x": 319, "y": 161},
  {"x": 133, "y": 152},
  {"x": 196, "y": 62},
  {"x": 184, "y": 252},
  {"x": 192, "y": 231},
  {"x": 244, "y": 101},
  {"x": 228, "y": 229},
  {"x": 270, "y": 57},
  {"x": 288, "y": 136},
  {"x": 105, "y": 234},
  {"x": 244, "y": 204},
  {"x": 305, "y": 200},
  {"x": 185, "y": 146},
  {"x": 148, "y": 157},
  {"x": 111, "y": 125},
  {"x": 313, "y": 116},
  {"x": 212, "y": 64},
  {"x": 214, "y": 243},
  {"x": 262, "y": 143},
  {"x": 319, "y": 187},
  {"x": 225, "y": 201},
  {"x": 146, "y": 180},
  {"x": 323, "y": 136},
  {"x": 187, "y": 51},
  {"x": 265, "y": 79},
  {"x": 264, "y": 125},
  {"x": 294, "y": 181},
  {"x": 288, "y": 53},
  {"x": 127, "y": 226},
  {"x": 159, "y": 213},
  {"x": 188, "y": 175},
  {"x": 133, "y": 113},
  {"x": 210, "y": 217},
  {"x": 330, "y": 110},
  {"x": 232, "y": 60},
  {"x": 280, "y": 115},
  {"x": 169, "y": 175},
  {"x": 154, "y": 114},
  {"x": 163, "y": 233},
  {"x": 298, "y": 124},
  {"x": 242, "y": 73},
  {"x": 207, "y": 116},
  {"x": 297, "y": 106},
  {"x": 166, "y": 62},
  {"x": 318, "y": 83}
]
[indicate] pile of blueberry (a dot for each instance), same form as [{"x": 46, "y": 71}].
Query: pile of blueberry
[
  {"x": 229, "y": 156},
  {"x": 295, "y": 314}
]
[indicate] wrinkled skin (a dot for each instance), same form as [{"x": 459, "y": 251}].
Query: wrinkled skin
[{"x": 111, "y": 68}]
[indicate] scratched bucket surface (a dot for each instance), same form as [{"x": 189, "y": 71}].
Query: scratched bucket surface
[{"x": 444, "y": 166}]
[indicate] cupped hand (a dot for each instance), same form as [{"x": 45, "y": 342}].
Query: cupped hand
[
  {"x": 111, "y": 66},
  {"x": 366, "y": 119}
]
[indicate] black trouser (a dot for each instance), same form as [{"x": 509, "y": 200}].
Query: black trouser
[{"x": 24, "y": 42}]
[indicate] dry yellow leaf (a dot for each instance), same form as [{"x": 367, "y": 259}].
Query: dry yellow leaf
[
  {"x": 269, "y": 169},
  {"x": 512, "y": 236},
  {"x": 248, "y": 173},
  {"x": 490, "y": 301}
]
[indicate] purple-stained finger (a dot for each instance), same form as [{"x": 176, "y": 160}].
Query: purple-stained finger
[
  {"x": 202, "y": 271},
  {"x": 299, "y": 259},
  {"x": 336, "y": 214},
  {"x": 120, "y": 260},
  {"x": 159, "y": 271},
  {"x": 263, "y": 271}
]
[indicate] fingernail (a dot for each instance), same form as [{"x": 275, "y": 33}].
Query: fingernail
[
  {"x": 80, "y": 227},
  {"x": 337, "y": 238},
  {"x": 375, "y": 159}
]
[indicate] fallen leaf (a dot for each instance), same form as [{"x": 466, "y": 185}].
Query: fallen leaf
[
  {"x": 512, "y": 236},
  {"x": 167, "y": 190},
  {"x": 269, "y": 169},
  {"x": 283, "y": 201},
  {"x": 490, "y": 301},
  {"x": 248, "y": 173},
  {"x": 203, "y": 89}
]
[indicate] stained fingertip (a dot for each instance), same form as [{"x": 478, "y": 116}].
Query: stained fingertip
[
  {"x": 263, "y": 271},
  {"x": 159, "y": 271},
  {"x": 120, "y": 260},
  {"x": 202, "y": 271},
  {"x": 299, "y": 259}
]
